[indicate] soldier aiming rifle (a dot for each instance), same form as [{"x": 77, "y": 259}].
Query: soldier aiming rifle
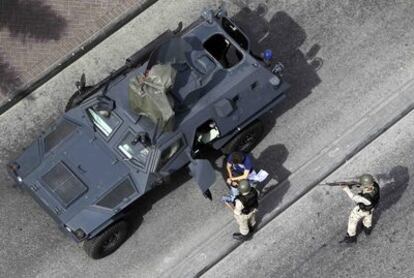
[{"x": 366, "y": 200}]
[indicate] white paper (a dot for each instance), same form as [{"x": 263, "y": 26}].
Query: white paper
[{"x": 259, "y": 177}]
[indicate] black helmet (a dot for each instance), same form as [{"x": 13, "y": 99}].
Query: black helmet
[
  {"x": 366, "y": 180},
  {"x": 244, "y": 187}
]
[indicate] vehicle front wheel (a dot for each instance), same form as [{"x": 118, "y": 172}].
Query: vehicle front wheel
[
  {"x": 108, "y": 241},
  {"x": 247, "y": 139}
]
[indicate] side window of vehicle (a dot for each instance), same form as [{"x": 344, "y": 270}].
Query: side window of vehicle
[
  {"x": 169, "y": 152},
  {"x": 134, "y": 150},
  {"x": 105, "y": 124}
]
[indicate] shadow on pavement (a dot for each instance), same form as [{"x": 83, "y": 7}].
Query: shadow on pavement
[
  {"x": 144, "y": 204},
  {"x": 26, "y": 19},
  {"x": 9, "y": 79},
  {"x": 395, "y": 184},
  {"x": 284, "y": 37},
  {"x": 31, "y": 19},
  {"x": 271, "y": 160}
]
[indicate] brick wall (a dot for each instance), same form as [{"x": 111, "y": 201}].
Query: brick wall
[{"x": 34, "y": 34}]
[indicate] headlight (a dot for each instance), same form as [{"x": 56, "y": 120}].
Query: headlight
[
  {"x": 79, "y": 233},
  {"x": 274, "y": 81},
  {"x": 13, "y": 167},
  {"x": 67, "y": 228}
]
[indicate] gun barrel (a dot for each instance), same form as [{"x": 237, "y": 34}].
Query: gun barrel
[{"x": 341, "y": 183}]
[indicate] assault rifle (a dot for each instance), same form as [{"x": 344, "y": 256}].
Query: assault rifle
[{"x": 343, "y": 183}]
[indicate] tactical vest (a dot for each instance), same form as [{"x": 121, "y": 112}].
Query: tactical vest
[
  {"x": 372, "y": 196},
  {"x": 249, "y": 201}
]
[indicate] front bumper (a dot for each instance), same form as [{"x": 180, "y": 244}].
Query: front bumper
[{"x": 19, "y": 182}]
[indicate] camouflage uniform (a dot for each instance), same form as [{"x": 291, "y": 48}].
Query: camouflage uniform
[{"x": 366, "y": 202}]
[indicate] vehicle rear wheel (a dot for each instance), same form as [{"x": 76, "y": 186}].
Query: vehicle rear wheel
[
  {"x": 247, "y": 139},
  {"x": 107, "y": 242}
]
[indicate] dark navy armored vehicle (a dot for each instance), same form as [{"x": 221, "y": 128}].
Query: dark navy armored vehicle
[{"x": 185, "y": 93}]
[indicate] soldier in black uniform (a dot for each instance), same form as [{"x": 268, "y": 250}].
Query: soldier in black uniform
[
  {"x": 366, "y": 201},
  {"x": 244, "y": 208}
]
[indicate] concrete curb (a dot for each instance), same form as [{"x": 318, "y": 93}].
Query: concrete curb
[
  {"x": 82, "y": 49},
  {"x": 310, "y": 174}
]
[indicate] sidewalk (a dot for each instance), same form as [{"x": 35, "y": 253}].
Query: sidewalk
[{"x": 39, "y": 37}]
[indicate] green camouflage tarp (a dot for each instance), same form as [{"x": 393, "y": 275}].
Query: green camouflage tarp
[{"x": 148, "y": 95}]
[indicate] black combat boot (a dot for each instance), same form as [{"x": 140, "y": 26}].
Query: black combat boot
[
  {"x": 367, "y": 231},
  {"x": 241, "y": 237},
  {"x": 349, "y": 239},
  {"x": 252, "y": 228}
]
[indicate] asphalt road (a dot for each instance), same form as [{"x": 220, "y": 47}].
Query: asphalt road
[
  {"x": 363, "y": 53},
  {"x": 303, "y": 241}
]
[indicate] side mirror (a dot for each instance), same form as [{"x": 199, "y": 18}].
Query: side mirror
[
  {"x": 207, "y": 15},
  {"x": 204, "y": 175}
]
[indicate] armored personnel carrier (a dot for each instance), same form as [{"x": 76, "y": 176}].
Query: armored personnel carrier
[{"x": 185, "y": 93}]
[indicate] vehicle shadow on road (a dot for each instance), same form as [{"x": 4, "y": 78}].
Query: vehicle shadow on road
[
  {"x": 395, "y": 183},
  {"x": 284, "y": 37},
  {"x": 137, "y": 210},
  {"x": 30, "y": 19}
]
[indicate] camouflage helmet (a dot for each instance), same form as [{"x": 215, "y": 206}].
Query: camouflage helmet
[
  {"x": 366, "y": 180},
  {"x": 244, "y": 187}
]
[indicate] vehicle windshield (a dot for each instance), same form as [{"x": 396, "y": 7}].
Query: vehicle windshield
[
  {"x": 134, "y": 151},
  {"x": 105, "y": 124}
]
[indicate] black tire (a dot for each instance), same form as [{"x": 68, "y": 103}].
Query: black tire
[
  {"x": 247, "y": 139},
  {"x": 108, "y": 241}
]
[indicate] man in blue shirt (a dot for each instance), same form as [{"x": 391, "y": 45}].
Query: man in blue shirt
[{"x": 238, "y": 166}]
